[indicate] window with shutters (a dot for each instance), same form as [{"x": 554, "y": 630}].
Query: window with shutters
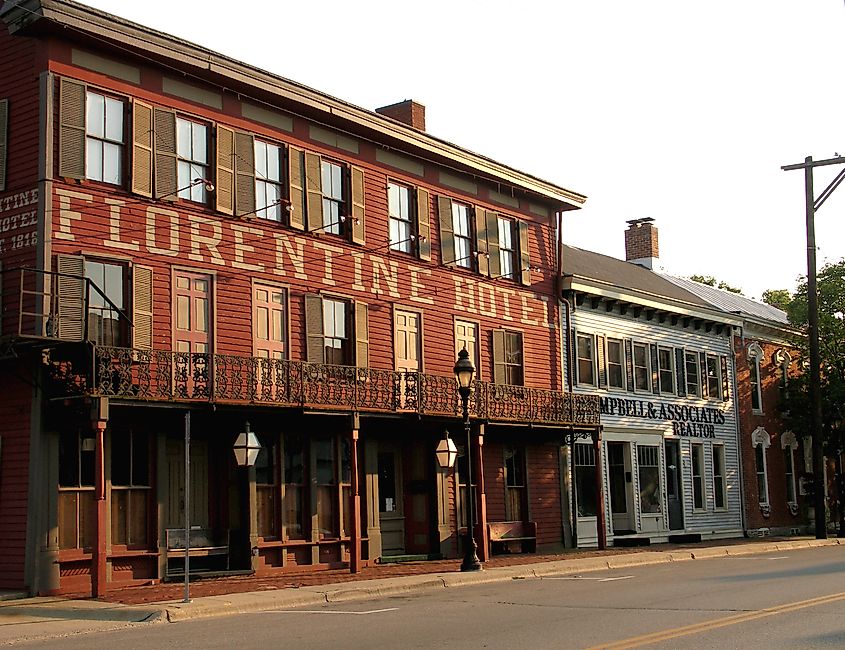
[
  {"x": 104, "y": 138},
  {"x": 666, "y": 370},
  {"x": 462, "y": 229},
  {"x": 107, "y": 292},
  {"x": 585, "y": 479},
  {"x": 615, "y": 363},
  {"x": 714, "y": 377},
  {"x": 693, "y": 373},
  {"x": 333, "y": 188},
  {"x": 401, "y": 219},
  {"x": 698, "y": 501},
  {"x": 466, "y": 338},
  {"x": 269, "y": 181},
  {"x": 642, "y": 368},
  {"x": 515, "y": 483},
  {"x": 513, "y": 358},
  {"x": 720, "y": 486},
  {"x": 192, "y": 159},
  {"x": 508, "y": 252},
  {"x": 130, "y": 488},
  {"x": 337, "y": 315},
  {"x": 585, "y": 345},
  {"x": 76, "y": 489}
]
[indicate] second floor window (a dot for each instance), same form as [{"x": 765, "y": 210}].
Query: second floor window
[
  {"x": 692, "y": 374},
  {"x": 513, "y": 358},
  {"x": 401, "y": 224},
  {"x": 762, "y": 474},
  {"x": 615, "y": 363},
  {"x": 333, "y": 197},
  {"x": 462, "y": 228},
  {"x": 714, "y": 378},
  {"x": 268, "y": 181},
  {"x": 104, "y": 138},
  {"x": 666, "y": 365},
  {"x": 507, "y": 248},
  {"x": 192, "y": 156},
  {"x": 586, "y": 359},
  {"x": 336, "y": 332},
  {"x": 106, "y": 326},
  {"x": 642, "y": 371}
]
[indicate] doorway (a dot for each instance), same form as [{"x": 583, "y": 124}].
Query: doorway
[
  {"x": 673, "y": 484},
  {"x": 391, "y": 501},
  {"x": 621, "y": 488},
  {"x": 175, "y": 512}
]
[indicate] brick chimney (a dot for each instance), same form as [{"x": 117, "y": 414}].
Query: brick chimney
[
  {"x": 408, "y": 112},
  {"x": 641, "y": 243}
]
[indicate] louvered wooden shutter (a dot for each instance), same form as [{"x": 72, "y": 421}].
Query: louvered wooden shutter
[
  {"x": 225, "y": 173},
  {"x": 680, "y": 371},
  {"x": 356, "y": 175},
  {"x": 726, "y": 385},
  {"x": 499, "y": 368},
  {"x": 573, "y": 354},
  {"x": 702, "y": 366},
  {"x": 600, "y": 359},
  {"x": 524, "y": 254},
  {"x": 71, "y": 297},
  {"x": 655, "y": 370},
  {"x": 481, "y": 249},
  {"x": 297, "y": 194},
  {"x": 164, "y": 148},
  {"x": 315, "y": 349},
  {"x": 423, "y": 224},
  {"x": 362, "y": 336},
  {"x": 142, "y": 148},
  {"x": 494, "y": 261},
  {"x": 629, "y": 364},
  {"x": 447, "y": 233},
  {"x": 72, "y": 129},
  {"x": 245, "y": 174},
  {"x": 142, "y": 307},
  {"x": 4, "y": 140},
  {"x": 313, "y": 190}
]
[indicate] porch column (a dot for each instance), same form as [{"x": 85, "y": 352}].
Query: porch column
[
  {"x": 482, "y": 537},
  {"x": 355, "y": 551},
  {"x": 99, "y": 415},
  {"x": 601, "y": 526},
  {"x": 252, "y": 504}
]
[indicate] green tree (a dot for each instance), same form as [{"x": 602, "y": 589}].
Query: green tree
[
  {"x": 710, "y": 281},
  {"x": 779, "y": 298}
]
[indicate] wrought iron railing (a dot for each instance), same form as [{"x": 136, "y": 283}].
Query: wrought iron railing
[{"x": 191, "y": 377}]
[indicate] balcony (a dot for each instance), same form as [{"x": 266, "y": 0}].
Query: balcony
[{"x": 165, "y": 376}]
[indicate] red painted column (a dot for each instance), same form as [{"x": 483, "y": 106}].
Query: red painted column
[
  {"x": 98, "y": 558},
  {"x": 482, "y": 536},
  {"x": 601, "y": 526},
  {"x": 355, "y": 551}
]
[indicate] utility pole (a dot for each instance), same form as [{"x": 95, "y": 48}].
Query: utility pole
[{"x": 811, "y": 206}]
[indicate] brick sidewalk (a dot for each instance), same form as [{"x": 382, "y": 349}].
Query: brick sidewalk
[{"x": 171, "y": 591}]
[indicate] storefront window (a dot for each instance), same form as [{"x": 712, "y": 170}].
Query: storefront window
[
  {"x": 346, "y": 484},
  {"x": 616, "y": 472},
  {"x": 585, "y": 479},
  {"x": 649, "y": 475},
  {"x": 324, "y": 453},
  {"x": 76, "y": 490},
  {"x": 130, "y": 491},
  {"x": 266, "y": 488},
  {"x": 293, "y": 487},
  {"x": 514, "y": 482},
  {"x": 698, "y": 476},
  {"x": 463, "y": 491}
]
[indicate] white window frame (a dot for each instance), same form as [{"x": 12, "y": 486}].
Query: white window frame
[
  {"x": 472, "y": 344},
  {"x": 720, "y": 479},
  {"x": 192, "y": 164},
  {"x": 508, "y": 253},
  {"x": 269, "y": 180},
  {"x": 401, "y": 223},
  {"x": 760, "y": 440},
  {"x": 333, "y": 187},
  {"x": 592, "y": 358},
  {"x": 462, "y": 235},
  {"x": 718, "y": 375},
  {"x": 789, "y": 444},
  {"x": 661, "y": 370},
  {"x": 645, "y": 347},
  {"x": 620, "y": 361},
  {"x": 698, "y": 474},
  {"x": 755, "y": 353},
  {"x": 696, "y": 375},
  {"x": 103, "y": 137}
]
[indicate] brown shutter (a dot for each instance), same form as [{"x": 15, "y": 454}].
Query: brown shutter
[
  {"x": 315, "y": 350},
  {"x": 356, "y": 175},
  {"x": 164, "y": 146},
  {"x": 629, "y": 364},
  {"x": 726, "y": 386},
  {"x": 4, "y": 140},
  {"x": 600, "y": 360},
  {"x": 362, "y": 335},
  {"x": 297, "y": 195},
  {"x": 680, "y": 372},
  {"x": 655, "y": 370},
  {"x": 499, "y": 368},
  {"x": 70, "y": 297},
  {"x": 142, "y": 308},
  {"x": 225, "y": 173},
  {"x": 423, "y": 224},
  {"x": 524, "y": 254},
  {"x": 494, "y": 260},
  {"x": 702, "y": 366},
  {"x": 313, "y": 190},
  {"x": 142, "y": 148},
  {"x": 447, "y": 234},
  {"x": 482, "y": 255},
  {"x": 72, "y": 129},
  {"x": 573, "y": 354},
  {"x": 245, "y": 174}
]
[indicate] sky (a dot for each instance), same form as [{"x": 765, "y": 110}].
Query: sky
[{"x": 676, "y": 110}]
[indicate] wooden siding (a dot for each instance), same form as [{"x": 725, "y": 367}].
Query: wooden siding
[{"x": 544, "y": 492}]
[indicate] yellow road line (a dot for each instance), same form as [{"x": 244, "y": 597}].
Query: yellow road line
[{"x": 706, "y": 626}]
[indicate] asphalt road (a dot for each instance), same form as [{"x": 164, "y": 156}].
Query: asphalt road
[{"x": 793, "y": 599}]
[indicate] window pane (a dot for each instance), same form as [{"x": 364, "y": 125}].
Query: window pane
[
  {"x": 324, "y": 453},
  {"x": 94, "y": 159},
  {"x": 114, "y": 120},
  {"x": 198, "y": 143},
  {"x": 293, "y": 459},
  {"x": 393, "y": 200},
  {"x": 119, "y": 516},
  {"x": 292, "y": 512},
  {"x": 111, "y": 163},
  {"x": 260, "y": 160},
  {"x": 140, "y": 459},
  {"x": 95, "y": 115},
  {"x": 274, "y": 170},
  {"x": 120, "y": 459},
  {"x": 183, "y": 138},
  {"x": 138, "y": 516},
  {"x": 68, "y": 531}
]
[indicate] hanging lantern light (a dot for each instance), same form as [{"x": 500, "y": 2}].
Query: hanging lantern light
[
  {"x": 446, "y": 452},
  {"x": 246, "y": 448}
]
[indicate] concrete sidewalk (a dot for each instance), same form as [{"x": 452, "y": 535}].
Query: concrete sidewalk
[{"x": 32, "y": 618}]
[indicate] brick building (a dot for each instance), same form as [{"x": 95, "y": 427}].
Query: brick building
[{"x": 193, "y": 245}]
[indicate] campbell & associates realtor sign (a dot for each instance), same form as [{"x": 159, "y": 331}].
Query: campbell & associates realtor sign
[{"x": 687, "y": 419}]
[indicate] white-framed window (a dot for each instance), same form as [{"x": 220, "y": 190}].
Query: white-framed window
[
  {"x": 642, "y": 368},
  {"x": 666, "y": 369},
  {"x": 693, "y": 374},
  {"x": 462, "y": 228},
  {"x": 507, "y": 247},
  {"x": 720, "y": 486},
  {"x": 755, "y": 353},
  {"x": 332, "y": 178},
  {"x": 783, "y": 359},
  {"x": 104, "y": 138},
  {"x": 714, "y": 377},
  {"x": 401, "y": 223},
  {"x": 615, "y": 363},
  {"x": 586, "y": 351},
  {"x": 269, "y": 180},
  {"x": 513, "y": 360},
  {"x": 585, "y": 479},
  {"x": 760, "y": 441},
  {"x": 192, "y": 156},
  {"x": 648, "y": 465},
  {"x": 698, "y": 487},
  {"x": 466, "y": 337},
  {"x": 336, "y": 331},
  {"x": 789, "y": 444}
]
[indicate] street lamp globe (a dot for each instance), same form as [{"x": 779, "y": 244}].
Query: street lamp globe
[{"x": 464, "y": 370}]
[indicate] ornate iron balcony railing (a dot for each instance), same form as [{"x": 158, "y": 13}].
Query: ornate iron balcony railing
[{"x": 161, "y": 375}]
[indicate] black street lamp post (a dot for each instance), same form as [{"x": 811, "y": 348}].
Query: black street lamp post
[{"x": 464, "y": 371}]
